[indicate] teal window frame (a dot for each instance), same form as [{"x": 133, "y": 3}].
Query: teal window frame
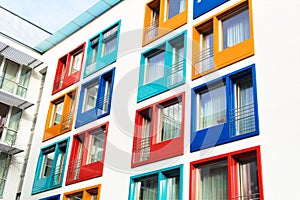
[
  {"x": 98, "y": 61},
  {"x": 164, "y": 83},
  {"x": 42, "y": 184},
  {"x": 162, "y": 185}
]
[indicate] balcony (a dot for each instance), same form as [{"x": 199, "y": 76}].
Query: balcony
[
  {"x": 174, "y": 73},
  {"x": 204, "y": 61},
  {"x": 142, "y": 149}
]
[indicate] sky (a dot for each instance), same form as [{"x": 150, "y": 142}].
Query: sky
[{"x": 50, "y": 15}]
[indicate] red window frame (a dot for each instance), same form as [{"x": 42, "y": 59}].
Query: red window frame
[
  {"x": 232, "y": 170},
  {"x": 163, "y": 149},
  {"x": 86, "y": 171},
  {"x": 62, "y": 78}
]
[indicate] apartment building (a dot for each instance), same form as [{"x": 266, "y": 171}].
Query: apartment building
[{"x": 170, "y": 99}]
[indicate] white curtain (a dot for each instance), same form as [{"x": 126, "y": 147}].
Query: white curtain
[
  {"x": 173, "y": 188},
  {"x": 148, "y": 188},
  {"x": 236, "y": 29},
  {"x": 213, "y": 107},
  {"x": 213, "y": 183},
  {"x": 175, "y": 74},
  {"x": 170, "y": 126},
  {"x": 155, "y": 67},
  {"x": 249, "y": 188},
  {"x": 245, "y": 108},
  {"x": 206, "y": 53},
  {"x": 144, "y": 144}
]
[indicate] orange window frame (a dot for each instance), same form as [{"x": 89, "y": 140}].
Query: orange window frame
[
  {"x": 86, "y": 192},
  {"x": 165, "y": 25},
  {"x": 233, "y": 54},
  {"x": 53, "y": 130}
]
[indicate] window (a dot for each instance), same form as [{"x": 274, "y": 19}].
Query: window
[
  {"x": 102, "y": 49},
  {"x": 68, "y": 69},
  {"x": 203, "y": 6},
  {"x": 95, "y": 98},
  {"x": 50, "y": 167},
  {"x": 159, "y": 131},
  {"x": 87, "y": 156},
  {"x": 162, "y": 68},
  {"x": 165, "y": 184},
  {"x": 224, "y": 110},
  {"x": 89, "y": 193},
  {"x": 235, "y": 175},
  {"x": 224, "y": 39},
  {"x": 9, "y": 123},
  {"x": 55, "y": 197},
  {"x": 161, "y": 17},
  {"x": 60, "y": 115},
  {"x": 14, "y": 78}
]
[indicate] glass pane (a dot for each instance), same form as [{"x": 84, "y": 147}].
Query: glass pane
[
  {"x": 249, "y": 188},
  {"x": 47, "y": 164},
  {"x": 90, "y": 97},
  {"x": 155, "y": 67},
  {"x": 173, "y": 187},
  {"x": 11, "y": 70},
  {"x": 76, "y": 62},
  {"x": 96, "y": 145},
  {"x": 13, "y": 125},
  {"x": 147, "y": 188},
  {"x": 212, "y": 107},
  {"x": 175, "y": 7},
  {"x": 75, "y": 197},
  {"x": 244, "y": 112},
  {"x": 206, "y": 53},
  {"x": 24, "y": 81},
  {"x": 236, "y": 29},
  {"x": 106, "y": 97},
  {"x": 57, "y": 112},
  {"x": 213, "y": 182},
  {"x": 175, "y": 72},
  {"x": 170, "y": 122}
]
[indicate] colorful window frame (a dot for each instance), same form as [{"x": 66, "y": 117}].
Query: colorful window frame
[
  {"x": 87, "y": 155},
  {"x": 159, "y": 20},
  {"x": 148, "y": 143},
  {"x": 211, "y": 53},
  {"x": 167, "y": 184},
  {"x": 50, "y": 167},
  {"x": 203, "y": 6},
  {"x": 222, "y": 112},
  {"x": 55, "y": 197},
  {"x": 68, "y": 69},
  {"x": 99, "y": 102},
  {"x": 170, "y": 70},
  {"x": 102, "y": 49},
  {"x": 60, "y": 115},
  {"x": 87, "y": 193},
  {"x": 239, "y": 176}
]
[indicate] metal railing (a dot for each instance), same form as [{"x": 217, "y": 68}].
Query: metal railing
[
  {"x": 171, "y": 127},
  {"x": 58, "y": 81},
  {"x": 254, "y": 196},
  {"x": 242, "y": 120},
  {"x": 10, "y": 135},
  {"x": 12, "y": 87},
  {"x": 204, "y": 60},
  {"x": 151, "y": 31},
  {"x": 56, "y": 175},
  {"x": 102, "y": 104},
  {"x": 66, "y": 121},
  {"x": 175, "y": 73},
  {"x": 74, "y": 169}
]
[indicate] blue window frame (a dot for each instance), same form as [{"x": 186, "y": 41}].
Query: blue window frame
[
  {"x": 161, "y": 184},
  {"x": 163, "y": 67},
  {"x": 95, "y": 98},
  {"x": 224, "y": 110},
  {"x": 51, "y": 166},
  {"x": 203, "y": 6},
  {"x": 55, "y": 197},
  {"x": 102, "y": 49}
]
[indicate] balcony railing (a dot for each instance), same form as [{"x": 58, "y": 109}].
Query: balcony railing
[
  {"x": 254, "y": 196},
  {"x": 74, "y": 170},
  {"x": 242, "y": 120},
  {"x": 175, "y": 73},
  {"x": 58, "y": 81},
  {"x": 151, "y": 31},
  {"x": 102, "y": 104},
  {"x": 12, "y": 87},
  {"x": 204, "y": 60},
  {"x": 90, "y": 68},
  {"x": 142, "y": 149},
  {"x": 9, "y": 134},
  {"x": 56, "y": 176},
  {"x": 66, "y": 121}
]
